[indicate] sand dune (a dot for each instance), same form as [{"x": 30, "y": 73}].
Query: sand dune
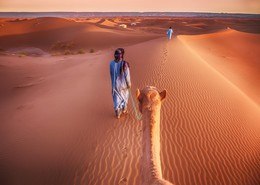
[
  {"x": 58, "y": 125},
  {"x": 14, "y": 27},
  {"x": 109, "y": 23},
  {"x": 239, "y": 63},
  {"x": 44, "y": 33}
]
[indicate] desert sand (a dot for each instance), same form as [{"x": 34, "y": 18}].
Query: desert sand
[{"x": 56, "y": 112}]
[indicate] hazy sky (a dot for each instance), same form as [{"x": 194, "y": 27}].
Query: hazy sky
[{"x": 240, "y": 6}]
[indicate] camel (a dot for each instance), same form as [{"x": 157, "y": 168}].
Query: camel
[{"x": 150, "y": 105}]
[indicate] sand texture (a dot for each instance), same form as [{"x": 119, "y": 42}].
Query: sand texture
[{"x": 57, "y": 123}]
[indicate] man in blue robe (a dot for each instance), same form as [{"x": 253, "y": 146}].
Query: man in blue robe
[
  {"x": 121, "y": 83},
  {"x": 169, "y": 33}
]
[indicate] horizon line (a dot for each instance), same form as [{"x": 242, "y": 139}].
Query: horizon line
[{"x": 129, "y": 12}]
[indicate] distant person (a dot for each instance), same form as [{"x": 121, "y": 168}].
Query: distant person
[
  {"x": 169, "y": 33},
  {"x": 121, "y": 83}
]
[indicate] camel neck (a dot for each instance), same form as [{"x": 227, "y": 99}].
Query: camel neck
[{"x": 151, "y": 144}]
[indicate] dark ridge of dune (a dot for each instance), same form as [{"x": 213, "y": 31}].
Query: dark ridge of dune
[
  {"x": 242, "y": 25},
  {"x": 185, "y": 26}
]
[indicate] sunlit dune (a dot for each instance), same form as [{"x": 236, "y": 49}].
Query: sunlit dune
[{"x": 239, "y": 63}]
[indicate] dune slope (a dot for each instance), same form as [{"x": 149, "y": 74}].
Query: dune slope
[
  {"x": 234, "y": 54},
  {"x": 58, "y": 125}
]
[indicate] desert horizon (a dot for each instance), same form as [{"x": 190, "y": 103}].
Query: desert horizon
[{"x": 56, "y": 113}]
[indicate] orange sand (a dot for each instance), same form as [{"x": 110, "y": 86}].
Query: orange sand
[
  {"x": 56, "y": 113},
  {"x": 237, "y": 61}
]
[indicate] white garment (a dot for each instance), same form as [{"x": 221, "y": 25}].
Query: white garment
[{"x": 169, "y": 33}]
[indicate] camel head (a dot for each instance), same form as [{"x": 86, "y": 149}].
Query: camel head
[{"x": 150, "y": 98}]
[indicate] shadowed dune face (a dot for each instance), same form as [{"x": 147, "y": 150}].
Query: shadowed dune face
[
  {"x": 150, "y": 105},
  {"x": 44, "y": 33}
]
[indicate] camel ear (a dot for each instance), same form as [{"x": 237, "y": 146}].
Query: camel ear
[
  {"x": 138, "y": 95},
  {"x": 163, "y": 94}
]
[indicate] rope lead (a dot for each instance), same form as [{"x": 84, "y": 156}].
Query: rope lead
[{"x": 138, "y": 116}]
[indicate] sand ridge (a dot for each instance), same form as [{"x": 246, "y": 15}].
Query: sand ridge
[{"x": 239, "y": 63}]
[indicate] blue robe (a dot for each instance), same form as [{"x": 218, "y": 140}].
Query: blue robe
[
  {"x": 169, "y": 33},
  {"x": 119, "y": 84}
]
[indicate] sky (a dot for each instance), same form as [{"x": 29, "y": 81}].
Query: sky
[{"x": 218, "y": 6}]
